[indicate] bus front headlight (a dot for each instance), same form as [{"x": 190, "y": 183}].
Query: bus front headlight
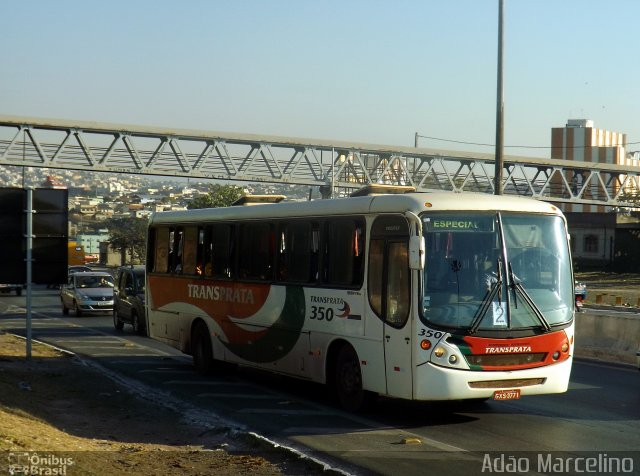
[{"x": 439, "y": 351}]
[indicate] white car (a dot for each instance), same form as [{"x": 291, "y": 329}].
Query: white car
[{"x": 87, "y": 292}]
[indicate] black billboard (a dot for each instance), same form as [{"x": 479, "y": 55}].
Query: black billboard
[{"x": 49, "y": 231}]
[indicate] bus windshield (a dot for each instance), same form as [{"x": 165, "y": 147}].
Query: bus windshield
[{"x": 496, "y": 271}]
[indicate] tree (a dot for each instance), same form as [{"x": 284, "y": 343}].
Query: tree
[
  {"x": 218, "y": 196},
  {"x": 128, "y": 235}
]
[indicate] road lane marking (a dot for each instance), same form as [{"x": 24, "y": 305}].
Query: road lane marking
[
  {"x": 285, "y": 411},
  {"x": 150, "y": 361},
  {"x": 203, "y": 382},
  {"x": 111, "y": 354},
  {"x": 13, "y": 309},
  {"x": 84, "y": 343},
  {"x": 581, "y": 386},
  {"x": 163, "y": 371},
  {"x": 249, "y": 396}
]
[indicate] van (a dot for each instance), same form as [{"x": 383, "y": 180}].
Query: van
[{"x": 129, "y": 306}]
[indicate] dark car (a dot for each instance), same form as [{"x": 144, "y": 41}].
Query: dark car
[
  {"x": 78, "y": 268},
  {"x": 129, "y": 304},
  {"x": 7, "y": 288}
]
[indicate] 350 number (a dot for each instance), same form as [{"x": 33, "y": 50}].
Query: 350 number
[
  {"x": 430, "y": 333},
  {"x": 320, "y": 313}
]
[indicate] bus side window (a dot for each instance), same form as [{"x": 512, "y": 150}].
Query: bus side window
[
  {"x": 190, "y": 245},
  {"x": 283, "y": 263},
  {"x": 398, "y": 284},
  {"x": 203, "y": 259},
  {"x": 295, "y": 252},
  {"x": 315, "y": 253},
  {"x": 375, "y": 278},
  {"x": 161, "y": 256},
  {"x": 176, "y": 243},
  {"x": 221, "y": 264},
  {"x": 344, "y": 252},
  {"x": 388, "y": 287},
  {"x": 256, "y": 253}
]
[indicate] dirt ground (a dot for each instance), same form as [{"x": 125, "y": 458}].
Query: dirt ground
[{"x": 58, "y": 416}]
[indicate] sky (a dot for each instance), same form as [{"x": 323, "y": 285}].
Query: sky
[{"x": 368, "y": 71}]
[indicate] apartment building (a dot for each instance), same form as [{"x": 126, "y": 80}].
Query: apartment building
[
  {"x": 600, "y": 236},
  {"x": 579, "y": 140}
]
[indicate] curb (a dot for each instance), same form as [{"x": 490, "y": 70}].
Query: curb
[
  {"x": 606, "y": 307},
  {"x": 244, "y": 439}
]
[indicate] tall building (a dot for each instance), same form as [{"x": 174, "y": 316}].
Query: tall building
[
  {"x": 580, "y": 141},
  {"x": 595, "y": 229}
]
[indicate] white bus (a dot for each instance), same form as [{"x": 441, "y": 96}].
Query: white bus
[{"x": 421, "y": 296}]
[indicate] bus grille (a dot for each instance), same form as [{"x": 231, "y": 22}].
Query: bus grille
[
  {"x": 505, "y": 360},
  {"x": 513, "y": 383}
]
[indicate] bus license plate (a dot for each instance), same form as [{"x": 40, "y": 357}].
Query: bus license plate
[{"x": 506, "y": 394}]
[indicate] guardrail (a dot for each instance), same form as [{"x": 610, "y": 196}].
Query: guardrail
[{"x": 613, "y": 337}]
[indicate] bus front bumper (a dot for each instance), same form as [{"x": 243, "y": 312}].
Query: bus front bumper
[{"x": 443, "y": 383}]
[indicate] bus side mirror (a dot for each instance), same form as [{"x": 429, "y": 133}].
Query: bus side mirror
[{"x": 416, "y": 252}]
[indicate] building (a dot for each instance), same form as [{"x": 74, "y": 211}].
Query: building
[
  {"x": 593, "y": 238},
  {"x": 91, "y": 243},
  {"x": 601, "y": 237},
  {"x": 579, "y": 140}
]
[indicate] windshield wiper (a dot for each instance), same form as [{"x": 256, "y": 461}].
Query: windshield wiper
[
  {"x": 513, "y": 281},
  {"x": 496, "y": 287},
  {"x": 516, "y": 286}
]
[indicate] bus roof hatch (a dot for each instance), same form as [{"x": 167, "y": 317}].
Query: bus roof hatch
[
  {"x": 382, "y": 189},
  {"x": 258, "y": 200}
]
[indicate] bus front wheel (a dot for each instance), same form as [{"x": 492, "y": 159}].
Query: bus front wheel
[
  {"x": 348, "y": 381},
  {"x": 201, "y": 349}
]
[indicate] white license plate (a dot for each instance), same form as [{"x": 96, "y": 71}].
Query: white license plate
[{"x": 513, "y": 394}]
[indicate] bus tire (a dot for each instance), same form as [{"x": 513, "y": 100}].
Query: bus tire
[
  {"x": 348, "y": 381},
  {"x": 201, "y": 349}
]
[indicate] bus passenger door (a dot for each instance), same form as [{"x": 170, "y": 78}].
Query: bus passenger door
[{"x": 390, "y": 296}]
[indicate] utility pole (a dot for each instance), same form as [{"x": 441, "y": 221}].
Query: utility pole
[
  {"x": 499, "y": 164},
  {"x": 29, "y": 263}
]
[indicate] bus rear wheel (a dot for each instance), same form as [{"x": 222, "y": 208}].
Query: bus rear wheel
[
  {"x": 348, "y": 381},
  {"x": 201, "y": 349}
]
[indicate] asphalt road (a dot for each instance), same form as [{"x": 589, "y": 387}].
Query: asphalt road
[{"x": 599, "y": 418}]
